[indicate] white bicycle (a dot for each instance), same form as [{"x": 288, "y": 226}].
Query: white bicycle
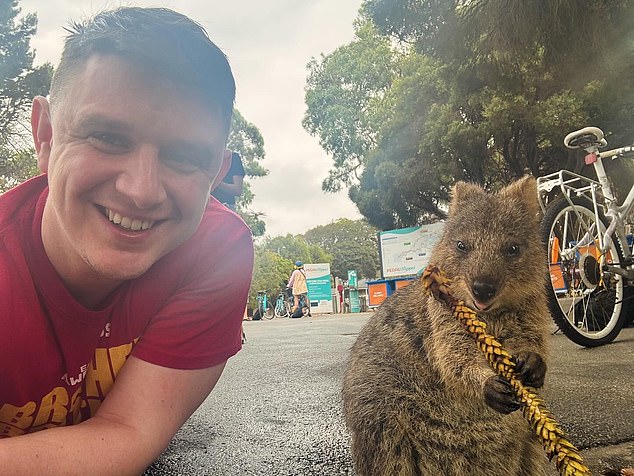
[{"x": 590, "y": 259}]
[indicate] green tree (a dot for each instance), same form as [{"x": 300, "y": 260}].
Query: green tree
[
  {"x": 296, "y": 248},
  {"x": 20, "y": 81},
  {"x": 467, "y": 100},
  {"x": 16, "y": 167},
  {"x": 246, "y": 139},
  {"x": 270, "y": 273},
  {"x": 352, "y": 244},
  {"x": 344, "y": 95}
]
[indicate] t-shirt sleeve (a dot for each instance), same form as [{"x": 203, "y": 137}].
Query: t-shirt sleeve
[{"x": 199, "y": 324}]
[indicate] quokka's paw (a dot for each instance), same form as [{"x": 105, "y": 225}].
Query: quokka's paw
[
  {"x": 530, "y": 368},
  {"x": 499, "y": 395}
]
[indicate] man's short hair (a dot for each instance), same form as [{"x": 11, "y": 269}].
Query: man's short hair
[{"x": 165, "y": 42}]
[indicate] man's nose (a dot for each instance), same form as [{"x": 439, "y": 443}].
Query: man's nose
[{"x": 141, "y": 180}]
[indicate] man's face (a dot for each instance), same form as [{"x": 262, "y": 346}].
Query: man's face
[{"x": 131, "y": 161}]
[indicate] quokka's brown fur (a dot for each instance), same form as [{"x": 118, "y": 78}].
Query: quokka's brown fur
[{"x": 413, "y": 390}]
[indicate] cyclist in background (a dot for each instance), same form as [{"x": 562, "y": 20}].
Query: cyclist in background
[{"x": 297, "y": 283}]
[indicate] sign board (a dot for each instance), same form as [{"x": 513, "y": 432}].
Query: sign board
[
  {"x": 352, "y": 278},
  {"x": 377, "y": 293},
  {"x": 406, "y": 252},
  {"x": 355, "y": 304},
  {"x": 319, "y": 290}
]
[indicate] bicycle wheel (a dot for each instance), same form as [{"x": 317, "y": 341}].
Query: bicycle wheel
[
  {"x": 268, "y": 312},
  {"x": 585, "y": 302}
]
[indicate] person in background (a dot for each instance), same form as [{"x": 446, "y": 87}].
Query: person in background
[
  {"x": 122, "y": 286},
  {"x": 229, "y": 189},
  {"x": 231, "y": 186},
  {"x": 297, "y": 283},
  {"x": 340, "y": 293}
]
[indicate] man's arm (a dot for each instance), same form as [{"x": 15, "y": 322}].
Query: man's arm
[{"x": 145, "y": 407}]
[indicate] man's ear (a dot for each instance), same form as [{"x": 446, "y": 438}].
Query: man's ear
[{"x": 42, "y": 131}]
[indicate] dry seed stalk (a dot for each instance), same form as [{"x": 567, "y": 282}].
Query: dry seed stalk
[{"x": 568, "y": 460}]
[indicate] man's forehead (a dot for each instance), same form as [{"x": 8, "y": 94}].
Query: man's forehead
[{"x": 101, "y": 74}]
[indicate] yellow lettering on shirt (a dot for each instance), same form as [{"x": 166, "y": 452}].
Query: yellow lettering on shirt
[
  {"x": 102, "y": 371},
  {"x": 76, "y": 404},
  {"x": 16, "y": 420},
  {"x": 57, "y": 405},
  {"x": 53, "y": 409}
]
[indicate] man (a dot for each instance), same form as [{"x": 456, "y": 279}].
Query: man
[
  {"x": 231, "y": 185},
  {"x": 112, "y": 263}
]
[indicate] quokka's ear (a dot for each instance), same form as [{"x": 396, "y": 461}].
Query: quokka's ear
[
  {"x": 463, "y": 192},
  {"x": 525, "y": 191}
]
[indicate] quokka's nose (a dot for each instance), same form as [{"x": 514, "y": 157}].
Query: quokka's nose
[{"x": 483, "y": 291}]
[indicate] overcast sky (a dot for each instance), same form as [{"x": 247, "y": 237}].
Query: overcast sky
[{"x": 269, "y": 43}]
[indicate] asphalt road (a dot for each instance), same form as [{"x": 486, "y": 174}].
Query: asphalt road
[{"x": 276, "y": 410}]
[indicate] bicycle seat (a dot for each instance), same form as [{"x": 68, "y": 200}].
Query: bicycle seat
[{"x": 586, "y": 137}]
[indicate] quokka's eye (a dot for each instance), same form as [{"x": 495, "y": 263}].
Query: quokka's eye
[
  {"x": 513, "y": 250},
  {"x": 460, "y": 246}
]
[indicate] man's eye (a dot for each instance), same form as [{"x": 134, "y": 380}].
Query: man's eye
[
  {"x": 185, "y": 162},
  {"x": 109, "y": 142},
  {"x": 181, "y": 163}
]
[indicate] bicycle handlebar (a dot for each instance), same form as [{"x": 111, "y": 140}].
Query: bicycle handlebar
[{"x": 615, "y": 153}]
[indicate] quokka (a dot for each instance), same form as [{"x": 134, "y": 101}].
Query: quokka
[{"x": 419, "y": 398}]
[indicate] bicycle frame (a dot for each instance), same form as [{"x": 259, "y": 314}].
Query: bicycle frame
[{"x": 572, "y": 184}]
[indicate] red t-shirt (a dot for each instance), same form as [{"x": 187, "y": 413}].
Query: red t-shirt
[{"x": 58, "y": 359}]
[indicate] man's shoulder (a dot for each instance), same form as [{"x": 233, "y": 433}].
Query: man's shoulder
[
  {"x": 21, "y": 201},
  {"x": 219, "y": 219}
]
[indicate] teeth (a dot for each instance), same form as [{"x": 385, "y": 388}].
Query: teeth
[{"x": 128, "y": 223}]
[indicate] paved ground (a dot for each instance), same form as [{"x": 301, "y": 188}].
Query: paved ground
[{"x": 276, "y": 409}]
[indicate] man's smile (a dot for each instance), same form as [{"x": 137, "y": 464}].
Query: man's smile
[{"x": 133, "y": 224}]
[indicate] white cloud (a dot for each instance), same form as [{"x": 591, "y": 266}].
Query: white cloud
[{"x": 269, "y": 44}]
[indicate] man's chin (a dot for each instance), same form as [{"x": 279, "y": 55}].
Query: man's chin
[{"x": 118, "y": 272}]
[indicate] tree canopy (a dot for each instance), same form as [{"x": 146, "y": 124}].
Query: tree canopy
[
  {"x": 437, "y": 91},
  {"x": 352, "y": 245},
  {"x": 296, "y": 248},
  {"x": 246, "y": 139},
  {"x": 20, "y": 81}
]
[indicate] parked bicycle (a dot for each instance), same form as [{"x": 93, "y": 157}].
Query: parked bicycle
[
  {"x": 283, "y": 305},
  {"x": 264, "y": 308},
  {"x": 591, "y": 265}
]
